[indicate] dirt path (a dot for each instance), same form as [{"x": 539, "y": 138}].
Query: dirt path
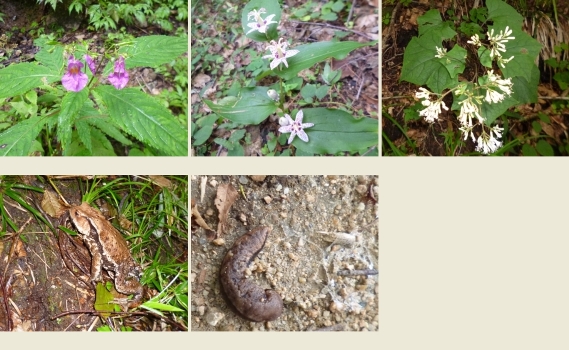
[{"x": 298, "y": 261}]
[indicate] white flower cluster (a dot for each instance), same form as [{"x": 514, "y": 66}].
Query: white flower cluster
[
  {"x": 493, "y": 96},
  {"x": 488, "y": 143},
  {"x": 497, "y": 44},
  {"x": 431, "y": 113},
  {"x": 440, "y": 52}
]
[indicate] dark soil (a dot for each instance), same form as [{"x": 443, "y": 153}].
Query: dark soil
[{"x": 428, "y": 138}]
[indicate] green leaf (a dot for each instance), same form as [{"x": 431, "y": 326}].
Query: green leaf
[
  {"x": 308, "y": 91},
  {"x": 336, "y": 131},
  {"x": 144, "y": 118},
  {"x": 484, "y": 56},
  {"x": 322, "y": 91},
  {"x": 273, "y": 8},
  {"x": 338, "y": 6},
  {"x": 252, "y": 106},
  {"x": 525, "y": 50},
  {"x": 526, "y": 91},
  {"x": 544, "y": 148},
  {"x": 503, "y": 15},
  {"x": 454, "y": 61},
  {"x": 71, "y": 104},
  {"x": 50, "y": 56},
  {"x": 17, "y": 140},
  {"x": 153, "y": 51},
  {"x": 205, "y": 130},
  {"x": 152, "y": 305},
  {"x": 431, "y": 25},
  {"x": 421, "y": 67},
  {"x": 310, "y": 54},
  {"x": 20, "y": 78}
]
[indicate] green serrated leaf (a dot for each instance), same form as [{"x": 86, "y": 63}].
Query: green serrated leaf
[
  {"x": 17, "y": 140},
  {"x": 252, "y": 107},
  {"x": 139, "y": 115},
  {"x": 71, "y": 104},
  {"x": 336, "y": 131},
  {"x": 51, "y": 55},
  {"x": 20, "y": 78},
  {"x": 153, "y": 51}
]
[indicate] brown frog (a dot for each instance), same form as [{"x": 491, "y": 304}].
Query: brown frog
[{"x": 109, "y": 251}]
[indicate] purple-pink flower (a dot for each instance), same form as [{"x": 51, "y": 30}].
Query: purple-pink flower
[
  {"x": 90, "y": 63},
  {"x": 74, "y": 79},
  {"x": 119, "y": 78}
]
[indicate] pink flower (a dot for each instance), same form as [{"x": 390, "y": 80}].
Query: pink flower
[
  {"x": 295, "y": 127},
  {"x": 74, "y": 79},
  {"x": 119, "y": 78},
  {"x": 90, "y": 63}
]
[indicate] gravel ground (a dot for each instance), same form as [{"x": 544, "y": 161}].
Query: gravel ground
[{"x": 300, "y": 259}]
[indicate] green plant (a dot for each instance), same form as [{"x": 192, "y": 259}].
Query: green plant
[
  {"x": 11, "y": 188},
  {"x": 83, "y": 118},
  {"x": 333, "y": 131},
  {"x": 509, "y": 74}
]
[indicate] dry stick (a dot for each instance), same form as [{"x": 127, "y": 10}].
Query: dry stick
[
  {"x": 351, "y": 11},
  {"x": 335, "y": 27},
  {"x": 368, "y": 272}
]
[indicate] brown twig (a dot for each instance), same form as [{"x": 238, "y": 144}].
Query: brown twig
[{"x": 335, "y": 27}]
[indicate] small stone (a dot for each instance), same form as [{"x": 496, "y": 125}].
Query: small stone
[
  {"x": 312, "y": 313},
  {"x": 201, "y": 310},
  {"x": 243, "y": 180},
  {"x": 214, "y": 316},
  {"x": 243, "y": 217},
  {"x": 283, "y": 214},
  {"x": 292, "y": 256},
  {"x": 279, "y": 187},
  {"x": 302, "y": 280},
  {"x": 213, "y": 183},
  {"x": 336, "y": 306},
  {"x": 258, "y": 178},
  {"x": 219, "y": 241},
  {"x": 268, "y": 199},
  {"x": 361, "y": 189},
  {"x": 209, "y": 212},
  {"x": 286, "y": 190},
  {"x": 310, "y": 198},
  {"x": 361, "y": 207}
]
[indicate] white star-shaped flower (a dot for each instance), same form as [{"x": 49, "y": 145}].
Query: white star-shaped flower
[
  {"x": 296, "y": 127},
  {"x": 260, "y": 24},
  {"x": 279, "y": 53}
]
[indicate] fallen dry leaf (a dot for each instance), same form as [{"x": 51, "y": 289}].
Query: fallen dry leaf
[
  {"x": 52, "y": 205},
  {"x": 226, "y": 196},
  {"x": 200, "y": 80},
  {"x": 198, "y": 218}
]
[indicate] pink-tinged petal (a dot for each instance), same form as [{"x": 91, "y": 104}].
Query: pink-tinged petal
[
  {"x": 292, "y": 135},
  {"x": 90, "y": 63},
  {"x": 74, "y": 79},
  {"x": 275, "y": 63},
  {"x": 285, "y": 129},
  {"x": 299, "y": 116},
  {"x": 307, "y": 125},
  {"x": 302, "y": 135},
  {"x": 119, "y": 78},
  {"x": 289, "y": 119}
]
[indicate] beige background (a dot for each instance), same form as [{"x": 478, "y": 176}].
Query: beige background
[{"x": 473, "y": 252}]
